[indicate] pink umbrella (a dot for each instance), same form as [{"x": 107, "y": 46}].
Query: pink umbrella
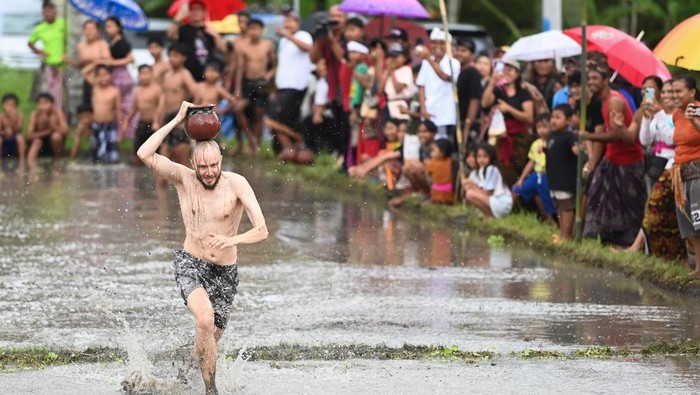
[
  {"x": 396, "y": 8},
  {"x": 629, "y": 57}
]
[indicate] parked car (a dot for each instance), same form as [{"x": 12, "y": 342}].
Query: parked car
[
  {"x": 17, "y": 20},
  {"x": 481, "y": 38}
]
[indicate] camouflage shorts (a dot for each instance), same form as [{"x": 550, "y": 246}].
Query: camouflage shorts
[{"x": 220, "y": 282}]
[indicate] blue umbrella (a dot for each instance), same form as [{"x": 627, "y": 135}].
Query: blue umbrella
[{"x": 128, "y": 11}]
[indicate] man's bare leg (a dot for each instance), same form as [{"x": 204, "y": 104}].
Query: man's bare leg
[{"x": 205, "y": 340}]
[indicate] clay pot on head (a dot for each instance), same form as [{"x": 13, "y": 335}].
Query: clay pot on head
[
  {"x": 202, "y": 123},
  {"x": 305, "y": 157}
]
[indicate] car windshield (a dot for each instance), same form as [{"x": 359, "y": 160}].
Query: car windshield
[{"x": 18, "y": 24}]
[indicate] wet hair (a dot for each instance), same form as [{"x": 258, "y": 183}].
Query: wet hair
[
  {"x": 45, "y": 95},
  {"x": 10, "y": 96},
  {"x": 574, "y": 78},
  {"x": 101, "y": 67},
  {"x": 117, "y": 22},
  {"x": 430, "y": 126},
  {"x": 490, "y": 151},
  {"x": 213, "y": 64},
  {"x": 156, "y": 40},
  {"x": 355, "y": 22},
  {"x": 202, "y": 146},
  {"x": 566, "y": 109},
  {"x": 543, "y": 117},
  {"x": 91, "y": 22},
  {"x": 178, "y": 47},
  {"x": 145, "y": 67},
  {"x": 657, "y": 81},
  {"x": 445, "y": 146},
  {"x": 256, "y": 21}
]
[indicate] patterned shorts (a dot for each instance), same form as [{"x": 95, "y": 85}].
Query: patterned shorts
[{"x": 220, "y": 282}]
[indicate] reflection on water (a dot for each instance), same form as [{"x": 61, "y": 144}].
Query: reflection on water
[{"x": 77, "y": 239}]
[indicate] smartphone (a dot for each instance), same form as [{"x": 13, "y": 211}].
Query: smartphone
[
  {"x": 696, "y": 110},
  {"x": 498, "y": 68},
  {"x": 649, "y": 95}
]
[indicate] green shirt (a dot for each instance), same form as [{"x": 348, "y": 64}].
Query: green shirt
[
  {"x": 357, "y": 92},
  {"x": 53, "y": 39}
]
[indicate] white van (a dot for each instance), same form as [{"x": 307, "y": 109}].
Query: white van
[{"x": 17, "y": 20}]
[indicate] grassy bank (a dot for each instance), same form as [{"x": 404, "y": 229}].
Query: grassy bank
[
  {"x": 515, "y": 229},
  {"x": 12, "y": 360}
]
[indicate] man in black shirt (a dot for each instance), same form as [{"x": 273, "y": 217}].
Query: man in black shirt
[
  {"x": 468, "y": 86},
  {"x": 202, "y": 41}
]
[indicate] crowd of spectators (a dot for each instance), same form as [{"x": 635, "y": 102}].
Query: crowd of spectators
[{"x": 385, "y": 109}]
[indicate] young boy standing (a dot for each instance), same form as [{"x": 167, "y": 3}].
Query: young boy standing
[
  {"x": 148, "y": 103},
  {"x": 211, "y": 91},
  {"x": 178, "y": 86},
  {"x": 11, "y": 121},
  {"x": 533, "y": 184},
  {"x": 561, "y": 153},
  {"x": 160, "y": 66},
  {"x": 47, "y": 129},
  {"x": 106, "y": 107}
]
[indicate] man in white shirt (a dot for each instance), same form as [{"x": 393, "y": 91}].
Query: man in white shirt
[
  {"x": 293, "y": 75},
  {"x": 434, "y": 80}
]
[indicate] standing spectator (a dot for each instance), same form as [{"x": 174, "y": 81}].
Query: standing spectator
[
  {"x": 91, "y": 51},
  {"x": 293, "y": 74},
  {"x": 120, "y": 51},
  {"x": 516, "y": 104},
  {"x": 686, "y": 170},
  {"x": 201, "y": 40},
  {"x": 468, "y": 86},
  {"x": 52, "y": 34},
  {"x": 397, "y": 82},
  {"x": 354, "y": 70},
  {"x": 542, "y": 74},
  {"x": 319, "y": 126},
  {"x": 435, "y": 86},
  {"x": 617, "y": 192},
  {"x": 160, "y": 66},
  {"x": 397, "y": 36}
]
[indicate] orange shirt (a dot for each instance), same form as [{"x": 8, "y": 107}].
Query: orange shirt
[
  {"x": 440, "y": 172},
  {"x": 685, "y": 137}
]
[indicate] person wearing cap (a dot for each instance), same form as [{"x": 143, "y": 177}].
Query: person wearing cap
[
  {"x": 506, "y": 92},
  {"x": 435, "y": 86},
  {"x": 468, "y": 86},
  {"x": 293, "y": 74},
  {"x": 397, "y": 81},
  {"x": 202, "y": 41}
]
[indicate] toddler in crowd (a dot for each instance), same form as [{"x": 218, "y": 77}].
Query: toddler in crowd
[
  {"x": 489, "y": 193},
  {"x": 11, "y": 122},
  {"x": 439, "y": 169}
]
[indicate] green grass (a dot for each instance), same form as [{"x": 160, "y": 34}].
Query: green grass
[{"x": 38, "y": 357}]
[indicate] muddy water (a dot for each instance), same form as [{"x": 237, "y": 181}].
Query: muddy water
[{"x": 82, "y": 248}]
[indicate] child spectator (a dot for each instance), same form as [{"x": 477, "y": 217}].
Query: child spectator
[
  {"x": 472, "y": 168},
  {"x": 533, "y": 184},
  {"x": 561, "y": 159},
  {"x": 149, "y": 104},
  {"x": 160, "y": 66},
  {"x": 439, "y": 169},
  {"x": 107, "y": 115},
  {"x": 415, "y": 170},
  {"x": 47, "y": 129},
  {"x": 388, "y": 162},
  {"x": 489, "y": 193},
  {"x": 358, "y": 70},
  {"x": 11, "y": 121}
]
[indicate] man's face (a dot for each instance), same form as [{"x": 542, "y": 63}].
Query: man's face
[
  {"x": 291, "y": 24},
  {"x": 197, "y": 13},
  {"x": 334, "y": 14},
  {"x": 353, "y": 33},
  {"x": 463, "y": 54},
  {"x": 438, "y": 48},
  {"x": 595, "y": 82},
  {"x": 49, "y": 13},
  {"x": 176, "y": 59},
  {"x": 91, "y": 32},
  {"x": 254, "y": 31},
  {"x": 243, "y": 23},
  {"x": 207, "y": 165},
  {"x": 155, "y": 50}
]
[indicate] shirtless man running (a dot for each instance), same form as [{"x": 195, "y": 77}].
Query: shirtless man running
[
  {"x": 212, "y": 204},
  {"x": 178, "y": 86},
  {"x": 254, "y": 74}
]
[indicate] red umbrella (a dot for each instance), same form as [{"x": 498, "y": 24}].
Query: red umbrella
[
  {"x": 217, "y": 9},
  {"x": 628, "y": 56},
  {"x": 380, "y": 27}
]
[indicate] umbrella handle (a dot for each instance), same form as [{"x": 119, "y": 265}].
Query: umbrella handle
[{"x": 638, "y": 38}]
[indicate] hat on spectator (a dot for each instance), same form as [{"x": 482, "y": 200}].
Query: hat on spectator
[
  {"x": 512, "y": 63},
  {"x": 354, "y": 46},
  {"x": 399, "y": 34},
  {"x": 396, "y": 49},
  {"x": 437, "y": 35}
]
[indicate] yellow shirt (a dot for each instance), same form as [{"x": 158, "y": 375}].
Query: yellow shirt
[{"x": 537, "y": 155}]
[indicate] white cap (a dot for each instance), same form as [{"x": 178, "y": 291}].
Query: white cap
[
  {"x": 437, "y": 35},
  {"x": 354, "y": 46}
]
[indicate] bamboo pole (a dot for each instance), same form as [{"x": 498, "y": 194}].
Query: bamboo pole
[{"x": 578, "y": 223}]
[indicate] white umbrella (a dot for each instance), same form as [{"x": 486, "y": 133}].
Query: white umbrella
[{"x": 546, "y": 45}]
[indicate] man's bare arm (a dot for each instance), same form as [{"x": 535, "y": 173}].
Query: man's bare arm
[
  {"x": 252, "y": 207},
  {"x": 161, "y": 165}
]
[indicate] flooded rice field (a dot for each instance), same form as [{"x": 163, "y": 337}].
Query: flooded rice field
[{"x": 86, "y": 261}]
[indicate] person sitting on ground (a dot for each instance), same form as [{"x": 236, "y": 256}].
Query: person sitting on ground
[
  {"x": 106, "y": 116},
  {"x": 439, "y": 169},
  {"x": 489, "y": 194},
  {"x": 47, "y": 129},
  {"x": 561, "y": 156},
  {"x": 149, "y": 105},
  {"x": 389, "y": 162},
  {"x": 84, "y": 127},
  {"x": 472, "y": 168},
  {"x": 11, "y": 123},
  {"x": 415, "y": 170},
  {"x": 532, "y": 184}
]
